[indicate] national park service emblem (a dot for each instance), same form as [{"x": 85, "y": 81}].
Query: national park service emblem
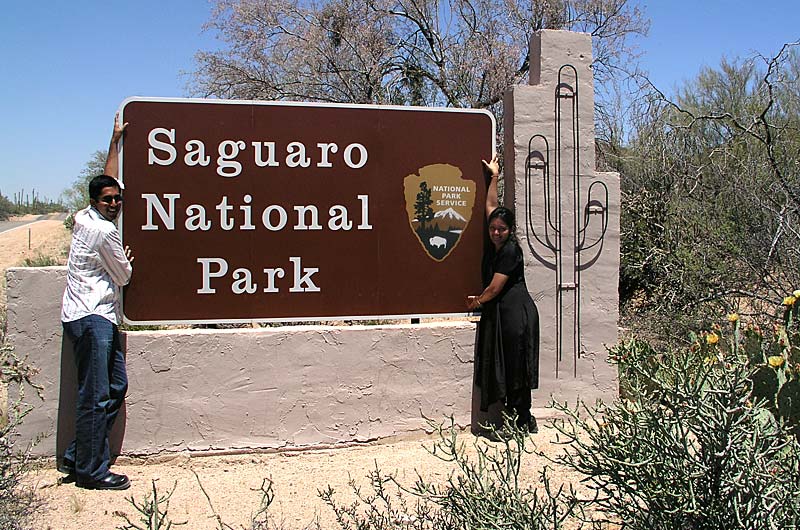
[{"x": 439, "y": 206}]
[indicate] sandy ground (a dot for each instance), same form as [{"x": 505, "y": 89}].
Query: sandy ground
[
  {"x": 231, "y": 482},
  {"x": 47, "y": 238}
]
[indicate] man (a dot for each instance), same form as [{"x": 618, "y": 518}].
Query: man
[{"x": 97, "y": 268}]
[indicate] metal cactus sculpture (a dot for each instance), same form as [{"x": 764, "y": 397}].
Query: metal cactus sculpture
[{"x": 562, "y": 227}]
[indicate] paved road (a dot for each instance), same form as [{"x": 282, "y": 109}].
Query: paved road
[{"x": 8, "y": 225}]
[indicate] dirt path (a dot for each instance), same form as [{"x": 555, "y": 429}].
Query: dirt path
[
  {"x": 232, "y": 484},
  {"x": 42, "y": 239}
]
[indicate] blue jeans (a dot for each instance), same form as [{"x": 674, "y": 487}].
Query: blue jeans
[{"x": 102, "y": 383}]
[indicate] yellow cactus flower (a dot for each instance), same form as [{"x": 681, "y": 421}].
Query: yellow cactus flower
[
  {"x": 796, "y": 293},
  {"x": 733, "y": 317},
  {"x": 776, "y": 361},
  {"x": 712, "y": 338},
  {"x": 789, "y": 300}
]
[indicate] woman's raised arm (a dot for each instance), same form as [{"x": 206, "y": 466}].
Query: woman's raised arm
[{"x": 491, "y": 170}]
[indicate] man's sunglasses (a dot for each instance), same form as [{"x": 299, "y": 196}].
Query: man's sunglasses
[{"x": 108, "y": 199}]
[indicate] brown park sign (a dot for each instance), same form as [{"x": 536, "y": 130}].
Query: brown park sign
[{"x": 240, "y": 211}]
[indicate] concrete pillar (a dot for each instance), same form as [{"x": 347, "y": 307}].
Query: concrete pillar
[{"x": 567, "y": 216}]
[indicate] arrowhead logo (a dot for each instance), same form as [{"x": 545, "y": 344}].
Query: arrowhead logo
[{"x": 439, "y": 207}]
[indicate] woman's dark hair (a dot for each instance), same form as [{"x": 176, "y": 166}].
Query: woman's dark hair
[
  {"x": 99, "y": 182},
  {"x": 507, "y": 216}
]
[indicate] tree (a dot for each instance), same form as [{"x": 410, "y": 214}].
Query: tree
[
  {"x": 77, "y": 196},
  {"x": 711, "y": 198},
  {"x": 6, "y": 208},
  {"x": 455, "y": 53}
]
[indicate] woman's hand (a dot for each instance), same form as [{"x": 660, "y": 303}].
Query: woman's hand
[
  {"x": 492, "y": 168},
  {"x": 473, "y": 302}
]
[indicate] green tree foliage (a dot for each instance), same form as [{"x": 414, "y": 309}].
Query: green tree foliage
[
  {"x": 77, "y": 196},
  {"x": 6, "y": 208},
  {"x": 711, "y": 197}
]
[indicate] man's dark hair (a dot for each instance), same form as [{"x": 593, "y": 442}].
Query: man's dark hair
[{"x": 99, "y": 182}]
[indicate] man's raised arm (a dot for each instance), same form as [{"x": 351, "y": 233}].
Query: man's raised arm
[{"x": 112, "y": 160}]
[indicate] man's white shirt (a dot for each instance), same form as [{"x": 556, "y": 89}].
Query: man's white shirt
[{"x": 96, "y": 269}]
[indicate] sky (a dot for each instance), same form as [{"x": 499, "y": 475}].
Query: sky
[{"x": 67, "y": 66}]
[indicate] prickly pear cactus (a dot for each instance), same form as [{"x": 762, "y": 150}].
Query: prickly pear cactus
[
  {"x": 789, "y": 404},
  {"x": 751, "y": 346},
  {"x": 765, "y": 385}
]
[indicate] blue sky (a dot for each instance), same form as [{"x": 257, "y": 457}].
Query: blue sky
[{"x": 66, "y": 66}]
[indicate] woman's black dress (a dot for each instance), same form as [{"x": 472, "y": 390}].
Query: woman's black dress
[{"x": 507, "y": 353}]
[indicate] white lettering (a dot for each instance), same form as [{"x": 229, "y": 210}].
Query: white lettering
[
  {"x": 228, "y": 150},
  {"x": 162, "y": 151},
  {"x": 324, "y": 149},
  {"x": 167, "y": 218},
  {"x": 348, "y": 155},
  {"x": 301, "y": 218},
  {"x": 196, "y": 154},
  {"x": 196, "y": 221},
  {"x": 225, "y": 222},
  {"x": 248, "y": 214},
  {"x": 161, "y": 146},
  {"x": 299, "y": 281},
  {"x": 364, "y": 213},
  {"x": 259, "y": 160},
  {"x": 296, "y": 155},
  {"x": 267, "y": 221},
  {"x": 207, "y": 274},
  {"x": 339, "y": 219},
  {"x": 243, "y": 282},
  {"x": 271, "y": 274}
]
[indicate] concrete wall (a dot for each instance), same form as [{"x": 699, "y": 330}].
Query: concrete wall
[{"x": 244, "y": 389}]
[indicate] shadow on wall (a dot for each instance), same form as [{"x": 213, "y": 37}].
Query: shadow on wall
[{"x": 67, "y": 397}]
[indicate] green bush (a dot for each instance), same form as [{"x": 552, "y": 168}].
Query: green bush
[
  {"x": 702, "y": 437},
  {"x": 485, "y": 491},
  {"x": 40, "y": 260}
]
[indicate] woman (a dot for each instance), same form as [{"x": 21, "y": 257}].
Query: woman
[{"x": 507, "y": 353}]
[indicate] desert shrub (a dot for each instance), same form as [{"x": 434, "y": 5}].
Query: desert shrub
[
  {"x": 18, "y": 502},
  {"x": 151, "y": 511},
  {"x": 69, "y": 222},
  {"x": 703, "y": 437},
  {"x": 40, "y": 260},
  {"x": 484, "y": 491}
]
